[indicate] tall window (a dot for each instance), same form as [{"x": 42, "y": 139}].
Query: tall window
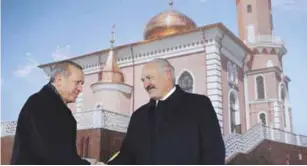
[
  {"x": 186, "y": 82},
  {"x": 232, "y": 100},
  {"x": 283, "y": 98},
  {"x": 262, "y": 118},
  {"x": 283, "y": 93},
  {"x": 260, "y": 87},
  {"x": 249, "y": 8},
  {"x": 235, "y": 124}
]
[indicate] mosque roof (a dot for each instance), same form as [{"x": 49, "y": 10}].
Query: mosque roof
[
  {"x": 167, "y": 23},
  {"x": 202, "y": 28}
]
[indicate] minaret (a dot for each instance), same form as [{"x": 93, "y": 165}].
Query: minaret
[
  {"x": 110, "y": 71},
  {"x": 267, "y": 86},
  {"x": 111, "y": 90},
  {"x": 254, "y": 18}
]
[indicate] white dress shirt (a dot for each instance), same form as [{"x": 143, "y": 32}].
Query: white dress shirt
[{"x": 167, "y": 95}]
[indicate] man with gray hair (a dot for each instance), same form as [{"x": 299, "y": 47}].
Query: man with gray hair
[
  {"x": 174, "y": 127},
  {"x": 46, "y": 128}
]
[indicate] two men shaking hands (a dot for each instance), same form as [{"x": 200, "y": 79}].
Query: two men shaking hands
[{"x": 174, "y": 127}]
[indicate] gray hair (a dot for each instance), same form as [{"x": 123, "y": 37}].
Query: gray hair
[
  {"x": 164, "y": 65},
  {"x": 63, "y": 68}
]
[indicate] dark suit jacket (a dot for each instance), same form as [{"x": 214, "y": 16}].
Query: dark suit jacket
[
  {"x": 183, "y": 129},
  {"x": 46, "y": 131}
]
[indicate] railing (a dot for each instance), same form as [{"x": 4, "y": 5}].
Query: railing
[
  {"x": 85, "y": 120},
  {"x": 8, "y": 128},
  {"x": 102, "y": 119},
  {"x": 244, "y": 143},
  {"x": 269, "y": 39}
]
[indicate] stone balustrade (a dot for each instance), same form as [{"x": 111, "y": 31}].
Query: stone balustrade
[
  {"x": 266, "y": 39},
  {"x": 98, "y": 118},
  {"x": 243, "y": 143}
]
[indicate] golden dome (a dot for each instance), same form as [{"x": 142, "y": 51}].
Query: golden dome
[{"x": 167, "y": 23}]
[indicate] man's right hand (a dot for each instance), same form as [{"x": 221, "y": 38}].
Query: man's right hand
[{"x": 98, "y": 163}]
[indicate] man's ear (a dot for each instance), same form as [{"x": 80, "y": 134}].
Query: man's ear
[
  {"x": 58, "y": 79},
  {"x": 168, "y": 73}
]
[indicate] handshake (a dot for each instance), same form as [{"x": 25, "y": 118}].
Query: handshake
[
  {"x": 98, "y": 163},
  {"x": 94, "y": 161}
]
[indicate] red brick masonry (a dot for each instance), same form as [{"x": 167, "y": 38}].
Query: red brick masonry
[
  {"x": 269, "y": 153},
  {"x": 99, "y": 144}
]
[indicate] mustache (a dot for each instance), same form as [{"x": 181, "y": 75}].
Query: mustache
[{"x": 149, "y": 87}]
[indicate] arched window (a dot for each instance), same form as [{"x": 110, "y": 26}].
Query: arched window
[
  {"x": 235, "y": 125},
  {"x": 260, "y": 87},
  {"x": 282, "y": 93},
  {"x": 262, "y": 118},
  {"x": 249, "y": 8},
  {"x": 186, "y": 82}
]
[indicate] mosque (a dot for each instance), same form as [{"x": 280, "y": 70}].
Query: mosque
[{"x": 242, "y": 75}]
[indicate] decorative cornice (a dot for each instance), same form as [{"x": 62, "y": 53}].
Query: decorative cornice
[
  {"x": 263, "y": 101},
  {"x": 280, "y": 51},
  {"x": 264, "y": 70},
  {"x": 268, "y": 42},
  {"x": 99, "y": 86}
]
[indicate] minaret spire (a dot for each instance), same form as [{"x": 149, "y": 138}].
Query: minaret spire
[
  {"x": 111, "y": 70},
  {"x": 112, "y": 36}
]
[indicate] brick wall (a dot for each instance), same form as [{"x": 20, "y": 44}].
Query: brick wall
[
  {"x": 6, "y": 149},
  {"x": 99, "y": 144},
  {"x": 269, "y": 152}
]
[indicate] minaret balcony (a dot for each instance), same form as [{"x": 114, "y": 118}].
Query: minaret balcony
[{"x": 265, "y": 40}]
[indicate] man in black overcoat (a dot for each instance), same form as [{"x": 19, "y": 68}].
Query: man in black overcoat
[
  {"x": 174, "y": 127},
  {"x": 46, "y": 128}
]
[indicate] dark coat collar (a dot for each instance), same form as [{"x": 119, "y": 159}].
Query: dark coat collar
[
  {"x": 171, "y": 104},
  {"x": 52, "y": 94},
  {"x": 51, "y": 90},
  {"x": 175, "y": 97}
]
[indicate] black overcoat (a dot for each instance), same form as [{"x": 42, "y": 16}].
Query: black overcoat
[
  {"x": 183, "y": 129},
  {"x": 46, "y": 131}
]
